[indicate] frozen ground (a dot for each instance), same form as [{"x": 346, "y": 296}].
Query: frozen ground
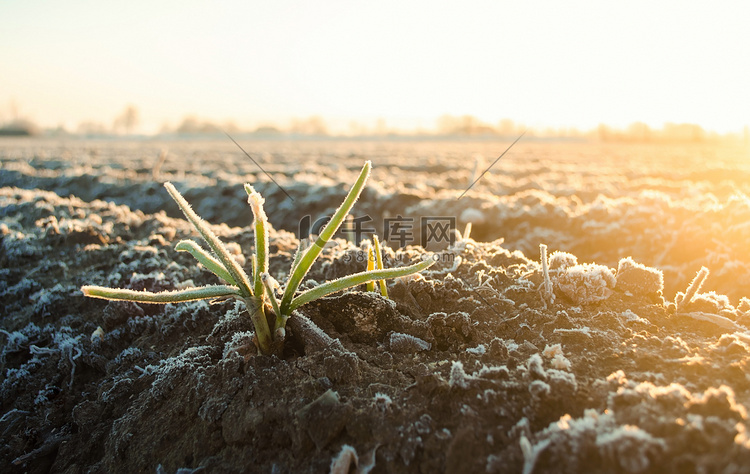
[
  {"x": 673, "y": 207},
  {"x": 637, "y": 383}
]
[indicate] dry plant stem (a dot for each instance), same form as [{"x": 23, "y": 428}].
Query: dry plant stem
[
  {"x": 693, "y": 288},
  {"x": 313, "y": 338},
  {"x": 314, "y": 250},
  {"x": 159, "y": 163},
  {"x": 547, "y": 283},
  {"x": 716, "y": 319},
  {"x": 467, "y": 231}
]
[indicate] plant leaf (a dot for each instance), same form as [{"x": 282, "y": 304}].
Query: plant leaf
[
  {"x": 298, "y": 254},
  {"x": 356, "y": 279},
  {"x": 231, "y": 265},
  {"x": 270, "y": 284},
  {"x": 261, "y": 237},
  {"x": 190, "y": 294},
  {"x": 215, "y": 266},
  {"x": 311, "y": 254}
]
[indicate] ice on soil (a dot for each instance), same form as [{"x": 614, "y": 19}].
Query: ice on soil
[
  {"x": 561, "y": 260},
  {"x": 382, "y": 401},
  {"x": 639, "y": 279},
  {"x": 240, "y": 340},
  {"x": 405, "y": 343},
  {"x": 67, "y": 347},
  {"x": 16, "y": 340},
  {"x": 168, "y": 371},
  {"x": 481, "y": 349},
  {"x": 586, "y": 283},
  {"x": 458, "y": 377},
  {"x": 63, "y": 347}
]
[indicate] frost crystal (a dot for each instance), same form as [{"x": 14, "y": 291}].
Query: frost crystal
[
  {"x": 587, "y": 283},
  {"x": 638, "y": 278},
  {"x": 546, "y": 288},
  {"x": 458, "y": 376},
  {"x": 536, "y": 368},
  {"x": 239, "y": 340},
  {"x": 67, "y": 347},
  {"x": 630, "y": 446},
  {"x": 481, "y": 349},
  {"x": 383, "y": 401},
  {"x": 539, "y": 390},
  {"x": 531, "y": 453},
  {"x": 406, "y": 343},
  {"x": 560, "y": 362},
  {"x": 553, "y": 350},
  {"x": 561, "y": 260}
]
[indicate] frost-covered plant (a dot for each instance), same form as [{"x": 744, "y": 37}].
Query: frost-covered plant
[
  {"x": 546, "y": 288},
  {"x": 684, "y": 299},
  {"x": 269, "y": 305}
]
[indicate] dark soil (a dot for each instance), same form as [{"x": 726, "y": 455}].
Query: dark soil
[{"x": 470, "y": 367}]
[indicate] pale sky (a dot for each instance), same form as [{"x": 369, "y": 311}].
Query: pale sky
[{"x": 551, "y": 63}]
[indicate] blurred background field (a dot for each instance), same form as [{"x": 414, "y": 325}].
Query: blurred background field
[{"x": 673, "y": 206}]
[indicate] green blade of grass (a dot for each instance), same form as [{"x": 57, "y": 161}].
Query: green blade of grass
[
  {"x": 190, "y": 294},
  {"x": 298, "y": 254},
  {"x": 379, "y": 260},
  {"x": 231, "y": 265},
  {"x": 261, "y": 238},
  {"x": 271, "y": 292},
  {"x": 354, "y": 280},
  {"x": 311, "y": 254},
  {"x": 205, "y": 259}
]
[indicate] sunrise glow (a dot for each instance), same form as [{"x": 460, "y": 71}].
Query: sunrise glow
[{"x": 391, "y": 64}]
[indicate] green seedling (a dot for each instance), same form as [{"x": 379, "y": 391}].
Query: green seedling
[
  {"x": 375, "y": 262},
  {"x": 268, "y": 304}
]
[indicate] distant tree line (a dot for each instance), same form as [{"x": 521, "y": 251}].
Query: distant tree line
[{"x": 128, "y": 121}]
